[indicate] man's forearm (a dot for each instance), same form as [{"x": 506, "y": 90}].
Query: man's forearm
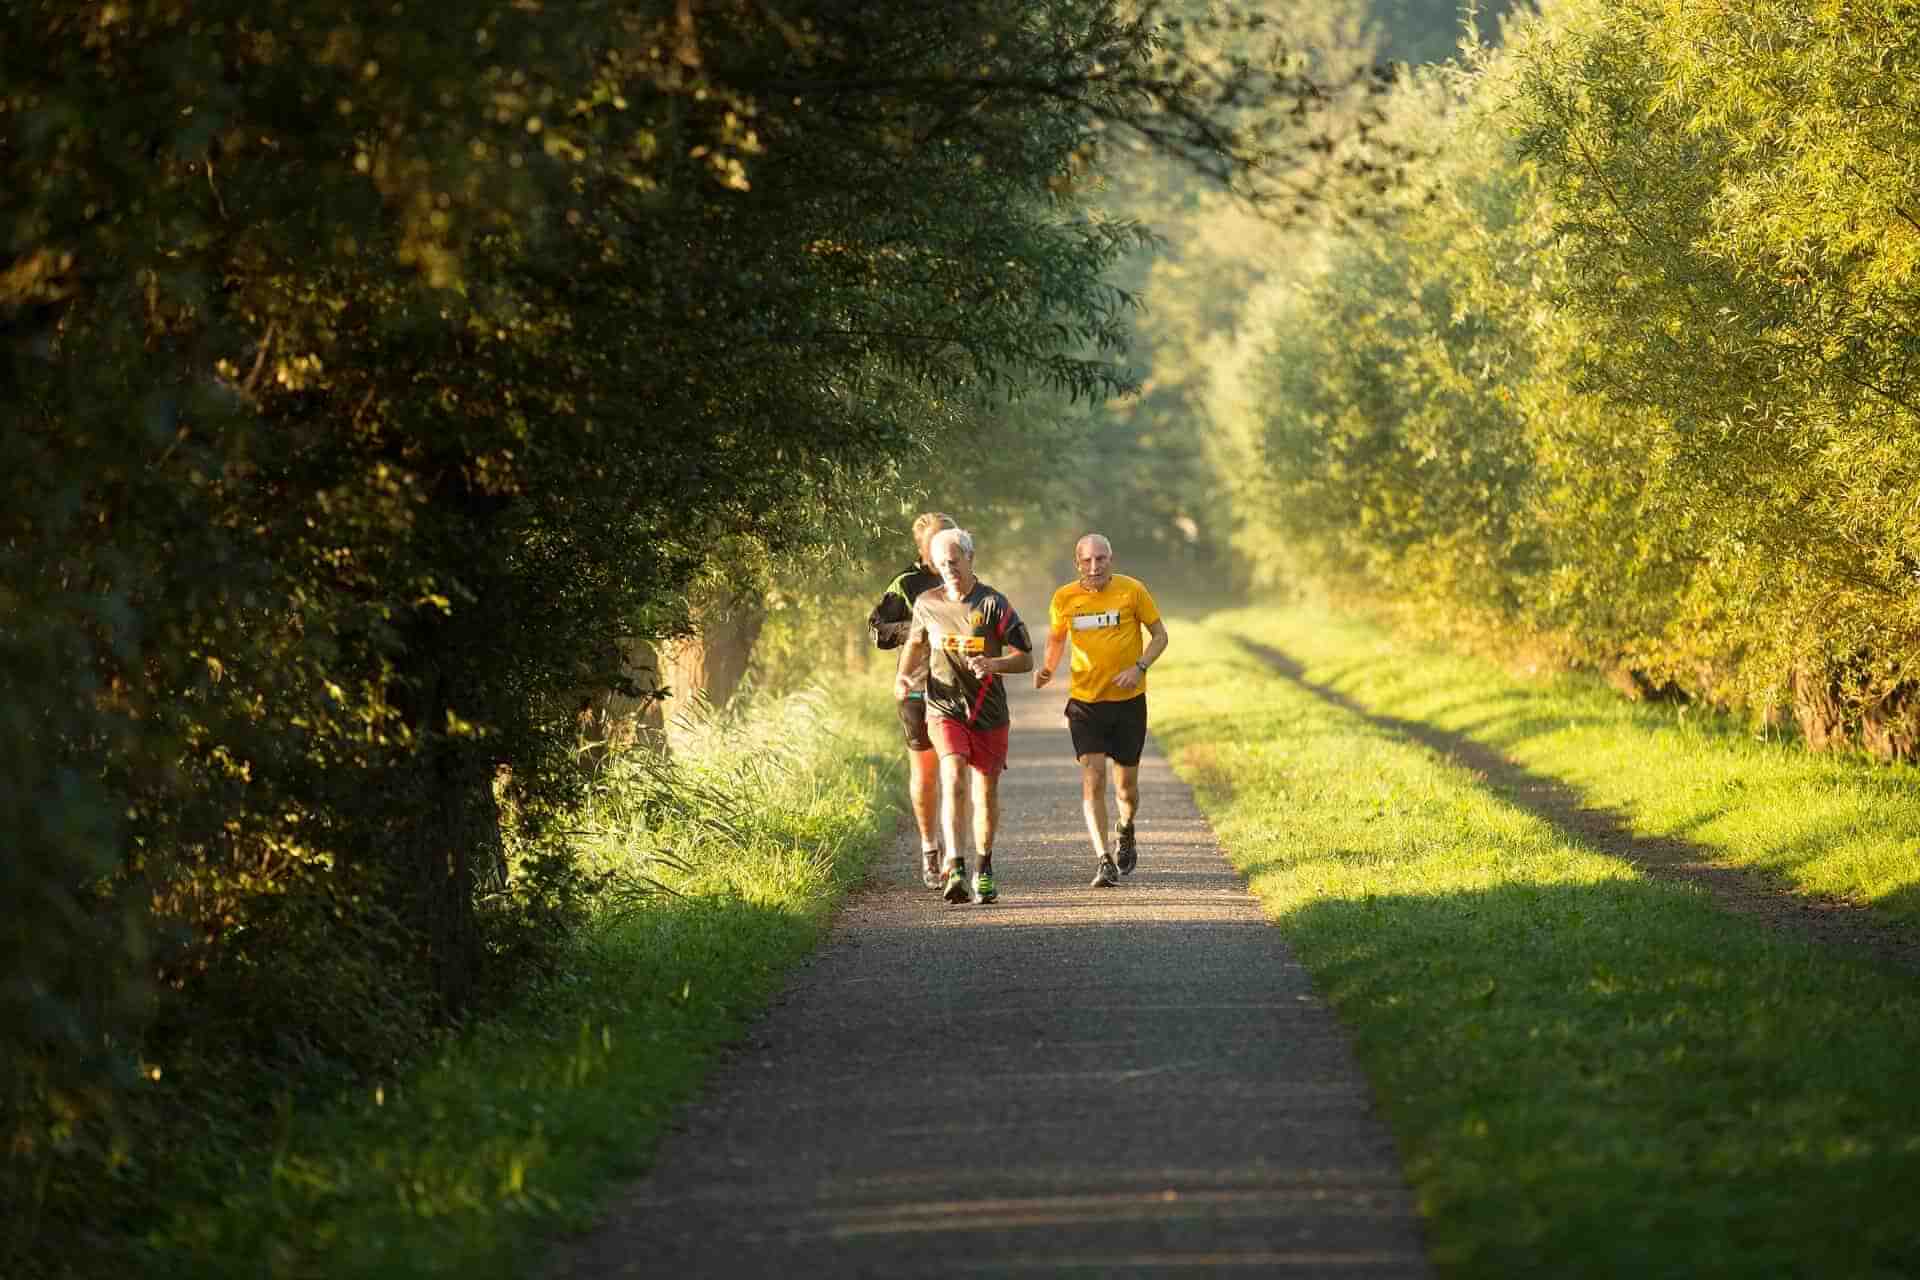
[
  {"x": 1156, "y": 645},
  {"x": 913, "y": 664},
  {"x": 1012, "y": 664}
]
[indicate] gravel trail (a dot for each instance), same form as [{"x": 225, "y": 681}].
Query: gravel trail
[{"x": 1136, "y": 1081}]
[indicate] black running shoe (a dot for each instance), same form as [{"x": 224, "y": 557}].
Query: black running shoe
[
  {"x": 1127, "y": 854},
  {"x": 1105, "y": 876}
]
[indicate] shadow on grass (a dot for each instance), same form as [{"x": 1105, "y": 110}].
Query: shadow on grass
[
  {"x": 1613, "y": 1080},
  {"x": 1606, "y": 830}
]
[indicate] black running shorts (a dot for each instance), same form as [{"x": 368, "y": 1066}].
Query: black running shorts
[
  {"x": 1115, "y": 729},
  {"x": 913, "y": 719}
]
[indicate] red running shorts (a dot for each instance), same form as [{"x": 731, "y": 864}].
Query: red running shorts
[{"x": 984, "y": 749}]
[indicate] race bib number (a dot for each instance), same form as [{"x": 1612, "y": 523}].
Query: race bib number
[
  {"x": 951, "y": 643},
  {"x": 1096, "y": 621}
]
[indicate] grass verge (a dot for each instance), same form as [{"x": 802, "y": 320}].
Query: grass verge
[
  {"x": 1590, "y": 1072},
  {"x": 469, "y": 1164}
]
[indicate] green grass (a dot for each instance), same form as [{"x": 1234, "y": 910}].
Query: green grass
[
  {"x": 1589, "y": 1072},
  {"x": 1833, "y": 825},
  {"x": 467, "y": 1165}
]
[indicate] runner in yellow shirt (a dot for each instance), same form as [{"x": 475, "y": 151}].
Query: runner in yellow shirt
[{"x": 1103, "y": 615}]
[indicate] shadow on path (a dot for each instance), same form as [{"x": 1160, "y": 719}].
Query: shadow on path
[{"x": 1824, "y": 920}]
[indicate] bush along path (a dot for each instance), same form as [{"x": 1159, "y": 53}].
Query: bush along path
[
  {"x": 466, "y": 1163},
  {"x": 1515, "y": 895},
  {"x": 1075, "y": 1081}
]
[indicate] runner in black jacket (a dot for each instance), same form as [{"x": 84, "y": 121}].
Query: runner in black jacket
[{"x": 888, "y": 624}]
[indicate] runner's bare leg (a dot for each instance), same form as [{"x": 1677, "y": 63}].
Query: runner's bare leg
[
  {"x": 923, "y": 788},
  {"x": 956, "y": 809},
  {"x": 986, "y": 814},
  {"x": 1093, "y": 800},
  {"x": 1126, "y": 790}
]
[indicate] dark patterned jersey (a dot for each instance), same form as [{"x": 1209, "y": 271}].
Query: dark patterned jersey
[{"x": 983, "y": 623}]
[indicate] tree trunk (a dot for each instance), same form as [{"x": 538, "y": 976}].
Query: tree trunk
[
  {"x": 1817, "y": 709},
  {"x": 1890, "y": 727},
  {"x": 450, "y": 824},
  {"x": 710, "y": 663},
  {"x": 458, "y": 828},
  {"x": 612, "y": 719},
  {"x": 1832, "y": 711}
]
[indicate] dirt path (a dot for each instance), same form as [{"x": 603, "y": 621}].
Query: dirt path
[{"x": 1071, "y": 1082}]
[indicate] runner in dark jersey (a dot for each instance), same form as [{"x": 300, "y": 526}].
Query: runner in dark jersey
[
  {"x": 967, "y": 638},
  {"x": 888, "y": 625}
]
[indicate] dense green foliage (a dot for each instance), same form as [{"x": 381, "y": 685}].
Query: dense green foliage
[
  {"x": 1746, "y": 252},
  {"x": 1627, "y": 372}
]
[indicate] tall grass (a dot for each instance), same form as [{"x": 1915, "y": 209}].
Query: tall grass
[
  {"x": 721, "y": 867},
  {"x": 1589, "y": 1072}
]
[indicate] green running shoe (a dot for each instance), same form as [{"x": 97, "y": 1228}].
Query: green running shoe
[
  {"x": 983, "y": 890},
  {"x": 956, "y": 890}
]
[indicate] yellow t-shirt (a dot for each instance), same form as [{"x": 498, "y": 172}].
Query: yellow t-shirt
[{"x": 1107, "y": 629}]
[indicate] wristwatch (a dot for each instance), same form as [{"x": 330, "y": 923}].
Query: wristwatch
[{"x": 1141, "y": 663}]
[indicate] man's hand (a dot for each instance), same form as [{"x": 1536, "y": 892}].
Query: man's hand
[
  {"x": 914, "y": 658},
  {"x": 1128, "y": 679},
  {"x": 1056, "y": 650}
]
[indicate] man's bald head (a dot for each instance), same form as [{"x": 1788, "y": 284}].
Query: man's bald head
[{"x": 1093, "y": 557}]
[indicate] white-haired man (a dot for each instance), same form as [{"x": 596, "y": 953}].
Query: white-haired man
[
  {"x": 1103, "y": 614},
  {"x": 967, "y": 637}
]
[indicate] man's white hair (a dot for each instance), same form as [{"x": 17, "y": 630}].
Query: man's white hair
[{"x": 960, "y": 536}]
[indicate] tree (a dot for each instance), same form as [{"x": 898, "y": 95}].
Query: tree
[
  {"x": 380, "y": 375},
  {"x": 1734, "y": 201}
]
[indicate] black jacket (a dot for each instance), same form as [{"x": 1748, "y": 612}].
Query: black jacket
[{"x": 890, "y": 619}]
